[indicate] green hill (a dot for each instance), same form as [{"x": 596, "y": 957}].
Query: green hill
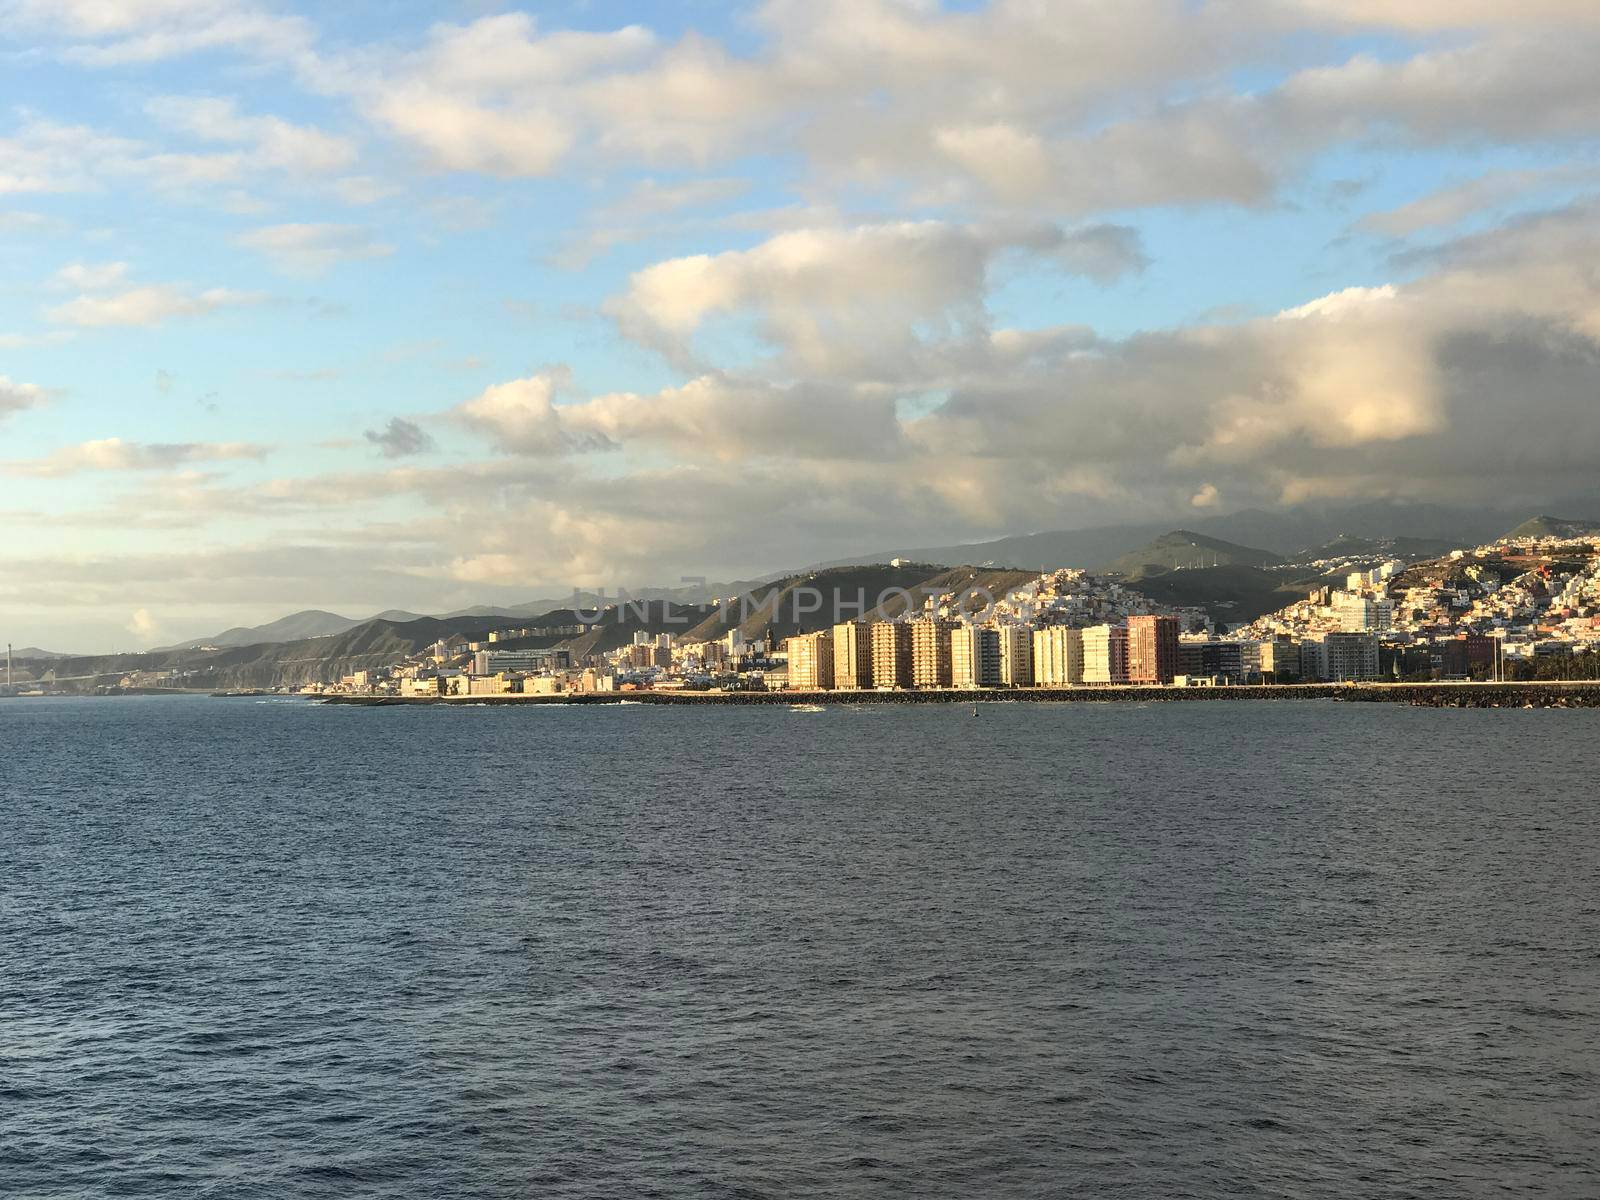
[
  {"x": 1553, "y": 527},
  {"x": 1185, "y": 550},
  {"x": 1230, "y": 594},
  {"x": 1407, "y": 549}
]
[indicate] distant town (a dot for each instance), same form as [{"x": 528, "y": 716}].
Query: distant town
[{"x": 1520, "y": 608}]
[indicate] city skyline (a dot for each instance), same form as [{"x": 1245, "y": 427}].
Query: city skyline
[{"x": 434, "y": 305}]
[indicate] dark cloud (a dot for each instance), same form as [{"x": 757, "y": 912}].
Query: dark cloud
[{"x": 400, "y": 438}]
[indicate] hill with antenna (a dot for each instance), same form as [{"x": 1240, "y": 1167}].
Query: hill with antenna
[
  {"x": 1553, "y": 527},
  {"x": 1183, "y": 549}
]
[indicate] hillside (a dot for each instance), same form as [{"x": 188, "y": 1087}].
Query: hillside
[
  {"x": 33, "y": 653},
  {"x": 1554, "y": 527},
  {"x": 1184, "y": 549},
  {"x": 309, "y": 623},
  {"x": 272, "y": 664},
  {"x": 1406, "y": 549},
  {"x": 1230, "y": 594},
  {"x": 816, "y": 599}
]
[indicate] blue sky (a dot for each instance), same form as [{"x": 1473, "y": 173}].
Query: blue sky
[{"x": 425, "y": 305}]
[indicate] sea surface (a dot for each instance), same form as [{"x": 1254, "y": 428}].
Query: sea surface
[{"x": 1295, "y": 949}]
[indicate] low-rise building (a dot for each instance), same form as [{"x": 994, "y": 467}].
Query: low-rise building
[{"x": 491, "y": 662}]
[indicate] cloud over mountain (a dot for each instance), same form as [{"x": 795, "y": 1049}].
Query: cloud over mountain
[{"x": 530, "y": 298}]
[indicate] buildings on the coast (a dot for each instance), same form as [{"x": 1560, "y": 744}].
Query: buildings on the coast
[{"x": 1517, "y": 605}]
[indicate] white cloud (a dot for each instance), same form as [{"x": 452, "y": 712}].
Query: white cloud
[
  {"x": 13, "y": 220},
  {"x": 1427, "y": 15},
  {"x": 856, "y": 301},
  {"x": 115, "y": 32},
  {"x": 44, "y": 156},
  {"x": 520, "y": 417},
  {"x": 143, "y": 625},
  {"x": 1510, "y": 87},
  {"x": 364, "y": 189},
  {"x": 313, "y": 249},
  {"x": 1449, "y": 206},
  {"x": 490, "y": 96},
  {"x": 16, "y": 396},
  {"x": 859, "y": 87},
  {"x": 91, "y": 277},
  {"x": 29, "y": 341},
  {"x": 728, "y": 419},
  {"x": 1060, "y": 109},
  {"x": 273, "y": 143},
  {"x": 149, "y": 305},
  {"x": 114, "y": 454}
]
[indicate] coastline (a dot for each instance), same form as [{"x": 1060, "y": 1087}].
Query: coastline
[{"x": 1528, "y": 694}]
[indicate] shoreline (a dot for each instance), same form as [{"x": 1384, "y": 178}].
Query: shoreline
[{"x": 1529, "y": 694}]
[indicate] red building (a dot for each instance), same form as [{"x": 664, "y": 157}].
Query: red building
[{"x": 1152, "y": 649}]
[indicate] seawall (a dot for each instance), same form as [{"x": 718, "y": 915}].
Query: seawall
[{"x": 1584, "y": 694}]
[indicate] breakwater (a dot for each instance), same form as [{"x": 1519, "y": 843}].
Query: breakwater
[{"x": 1584, "y": 694}]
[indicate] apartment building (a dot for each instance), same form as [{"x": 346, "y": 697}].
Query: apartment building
[
  {"x": 852, "y": 655},
  {"x": 891, "y": 654},
  {"x": 1057, "y": 656},
  {"x": 1105, "y": 654},
  {"x": 975, "y": 657},
  {"x": 1152, "y": 649},
  {"x": 811, "y": 661},
  {"x": 931, "y": 665}
]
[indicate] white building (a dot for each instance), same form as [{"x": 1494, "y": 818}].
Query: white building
[
  {"x": 1058, "y": 654},
  {"x": 1363, "y": 614},
  {"x": 1105, "y": 654}
]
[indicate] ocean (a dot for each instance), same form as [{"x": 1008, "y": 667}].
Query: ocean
[{"x": 270, "y": 948}]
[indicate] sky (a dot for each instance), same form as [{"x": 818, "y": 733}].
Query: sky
[{"x": 424, "y": 305}]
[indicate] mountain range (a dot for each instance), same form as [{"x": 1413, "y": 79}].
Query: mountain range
[
  {"x": 1237, "y": 566},
  {"x": 1287, "y": 532}
]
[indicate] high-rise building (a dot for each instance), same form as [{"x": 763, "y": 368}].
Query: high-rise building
[
  {"x": 1339, "y": 656},
  {"x": 852, "y": 655},
  {"x": 1105, "y": 654},
  {"x": 891, "y": 654},
  {"x": 930, "y": 652},
  {"x": 811, "y": 661},
  {"x": 1152, "y": 649},
  {"x": 1057, "y": 656},
  {"x": 1016, "y": 655},
  {"x": 975, "y": 656},
  {"x": 1363, "y": 614},
  {"x": 1351, "y": 656}
]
